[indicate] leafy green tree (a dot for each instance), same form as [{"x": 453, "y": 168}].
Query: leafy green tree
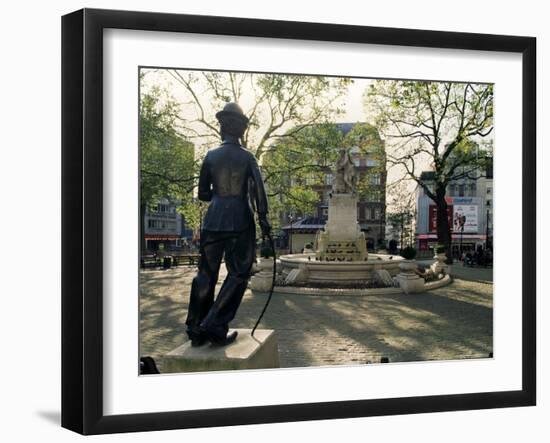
[
  {"x": 167, "y": 164},
  {"x": 296, "y": 169},
  {"x": 366, "y": 139},
  {"x": 401, "y": 213},
  {"x": 440, "y": 124},
  {"x": 279, "y": 106}
]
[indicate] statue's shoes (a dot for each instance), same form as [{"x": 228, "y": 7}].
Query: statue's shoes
[
  {"x": 198, "y": 341},
  {"x": 197, "y": 337},
  {"x": 229, "y": 338}
]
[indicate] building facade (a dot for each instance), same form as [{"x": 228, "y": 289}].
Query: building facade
[
  {"x": 470, "y": 213},
  {"x": 164, "y": 227}
]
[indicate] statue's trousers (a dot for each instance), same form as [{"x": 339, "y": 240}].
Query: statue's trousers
[{"x": 206, "y": 315}]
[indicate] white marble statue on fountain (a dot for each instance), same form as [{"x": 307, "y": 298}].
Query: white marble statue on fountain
[
  {"x": 345, "y": 178},
  {"x": 342, "y": 238}
]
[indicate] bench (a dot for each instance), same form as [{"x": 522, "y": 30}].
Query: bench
[
  {"x": 150, "y": 262},
  {"x": 158, "y": 262},
  {"x": 185, "y": 259}
]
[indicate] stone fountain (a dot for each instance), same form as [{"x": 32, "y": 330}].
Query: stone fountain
[
  {"x": 340, "y": 264},
  {"x": 340, "y": 248}
]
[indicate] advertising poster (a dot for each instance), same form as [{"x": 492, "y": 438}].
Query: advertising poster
[{"x": 465, "y": 217}]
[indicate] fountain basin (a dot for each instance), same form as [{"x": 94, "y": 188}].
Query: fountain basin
[
  {"x": 340, "y": 271},
  {"x": 304, "y": 290}
]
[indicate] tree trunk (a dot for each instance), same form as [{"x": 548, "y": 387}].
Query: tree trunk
[
  {"x": 402, "y": 236},
  {"x": 443, "y": 228}
]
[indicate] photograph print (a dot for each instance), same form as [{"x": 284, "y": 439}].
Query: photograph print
[{"x": 292, "y": 221}]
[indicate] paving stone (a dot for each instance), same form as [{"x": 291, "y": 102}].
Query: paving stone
[{"x": 453, "y": 322}]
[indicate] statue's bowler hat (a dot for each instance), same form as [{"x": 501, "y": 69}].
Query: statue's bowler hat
[{"x": 232, "y": 111}]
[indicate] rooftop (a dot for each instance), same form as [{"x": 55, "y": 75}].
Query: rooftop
[{"x": 308, "y": 223}]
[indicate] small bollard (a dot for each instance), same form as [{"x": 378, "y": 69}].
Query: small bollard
[{"x": 147, "y": 365}]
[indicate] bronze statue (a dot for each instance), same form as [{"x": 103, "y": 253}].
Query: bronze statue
[
  {"x": 345, "y": 179},
  {"x": 231, "y": 181}
]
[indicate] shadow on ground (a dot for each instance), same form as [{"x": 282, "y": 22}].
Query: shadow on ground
[{"x": 454, "y": 322}]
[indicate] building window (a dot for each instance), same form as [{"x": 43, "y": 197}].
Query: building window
[
  {"x": 357, "y": 161},
  {"x": 328, "y": 179},
  {"x": 461, "y": 190},
  {"x": 452, "y": 190},
  {"x": 161, "y": 224},
  {"x": 162, "y": 208},
  {"x": 473, "y": 189},
  {"x": 371, "y": 162},
  {"x": 372, "y": 213},
  {"x": 374, "y": 196},
  {"x": 154, "y": 224},
  {"x": 377, "y": 213},
  {"x": 375, "y": 179}
]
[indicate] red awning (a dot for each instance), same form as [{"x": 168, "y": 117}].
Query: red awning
[{"x": 162, "y": 237}]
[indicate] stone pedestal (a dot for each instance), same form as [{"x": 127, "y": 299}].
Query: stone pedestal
[
  {"x": 408, "y": 280},
  {"x": 262, "y": 280},
  {"x": 342, "y": 239},
  {"x": 342, "y": 218},
  {"x": 246, "y": 352}
]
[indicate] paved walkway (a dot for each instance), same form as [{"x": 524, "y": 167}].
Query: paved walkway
[
  {"x": 473, "y": 273},
  {"x": 453, "y": 322}
]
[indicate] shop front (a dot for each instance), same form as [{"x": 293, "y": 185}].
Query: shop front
[
  {"x": 156, "y": 242},
  {"x": 461, "y": 243}
]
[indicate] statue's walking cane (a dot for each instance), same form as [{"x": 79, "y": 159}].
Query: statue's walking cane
[{"x": 272, "y": 244}]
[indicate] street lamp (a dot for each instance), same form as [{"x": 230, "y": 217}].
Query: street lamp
[
  {"x": 462, "y": 222},
  {"x": 290, "y": 218},
  {"x": 487, "y": 244},
  {"x": 461, "y": 235}
]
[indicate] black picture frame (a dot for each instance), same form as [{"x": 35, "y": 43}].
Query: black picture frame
[{"x": 82, "y": 215}]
